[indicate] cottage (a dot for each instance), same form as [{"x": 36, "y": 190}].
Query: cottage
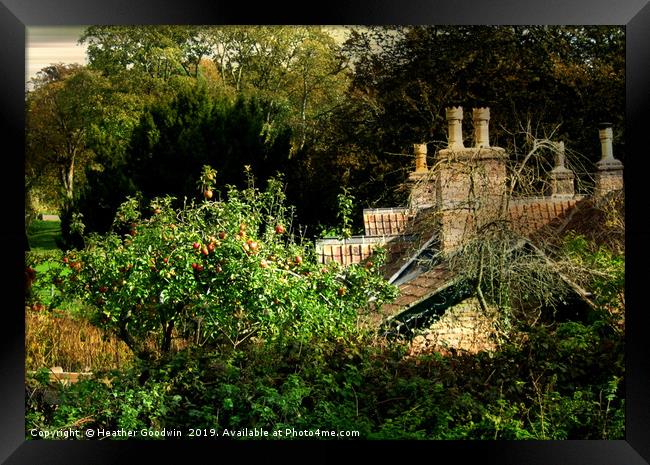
[{"x": 451, "y": 204}]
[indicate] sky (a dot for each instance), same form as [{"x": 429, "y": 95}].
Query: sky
[{"x": 48, "y": 45}]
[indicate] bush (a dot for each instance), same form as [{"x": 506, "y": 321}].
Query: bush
[{"x": 364, "y": 385}]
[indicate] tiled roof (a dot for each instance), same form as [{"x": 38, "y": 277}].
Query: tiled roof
[
  {"x": 344, "y": 251},
  {"x": 528, "y": 216},
  {"x": 419, "y": 289},
  {"x": 386, "y": 221},
  {"x": 359, "y": 248},
  {"x": 601, "y": 220},
  {"x": 404, "y": 235}
]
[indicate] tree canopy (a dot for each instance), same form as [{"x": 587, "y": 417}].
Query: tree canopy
[{"x": 329, "y": 114}]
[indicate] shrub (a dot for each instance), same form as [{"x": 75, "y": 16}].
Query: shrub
[{"x": 525, "y": 392}]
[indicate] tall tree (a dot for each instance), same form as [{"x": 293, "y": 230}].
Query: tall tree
[
  {"x": 172, "y": 140},
  {"x": 60, "y": 112},
  {"x": 155, "y": 51},
  {"x": 75, "y": 119},
  {"x": 297, "y": 72}
]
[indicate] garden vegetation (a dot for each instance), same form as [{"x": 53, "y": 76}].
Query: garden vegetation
[{"x": 190, "y": 281}]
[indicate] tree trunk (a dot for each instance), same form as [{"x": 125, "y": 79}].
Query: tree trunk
[
  {"x": 140, "y": 350},
  {"x": 303, "y": 117},
  {"x": 67, "y": 176},
  {"x": 167, "y": 338}
]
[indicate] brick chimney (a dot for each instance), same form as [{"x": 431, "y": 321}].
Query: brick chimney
[
  {"x": 561, "y": 178},
  {"x": 609, "y": 170},
  {"x": 470, "y": 181}
]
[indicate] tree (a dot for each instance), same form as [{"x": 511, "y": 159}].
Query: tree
[
  {"x": 296, "y": 72},
  {"x": 172, "y": 140},
  {"x": 318, "y": 84},
  {"x": 214, "y": 272},
  {"x": 405, "y": 77},
  {"x": 60, "y": 111},
  {"x": 294, "y": 78},
  {"x": 153, "y": 51}
]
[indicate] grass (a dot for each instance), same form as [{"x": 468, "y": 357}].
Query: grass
[
  {"x": 44, "y": 234},
  {"x": 55, "y": 338}
]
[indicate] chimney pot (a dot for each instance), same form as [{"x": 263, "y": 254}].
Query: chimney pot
[
  {"x": 481, "y": 118},
  {"x": 559, "y": 155},
  {"x": 606, "y": 136},
  {"x": 420, "y": 158},
  {"x": 455, "y": 124},
  {"x": 609, "y": 174}
]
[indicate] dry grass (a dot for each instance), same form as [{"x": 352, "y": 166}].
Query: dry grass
[{"x": 57, "y": 339}]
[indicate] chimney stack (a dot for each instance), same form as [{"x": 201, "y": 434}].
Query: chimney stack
[
  {"x": 470, "y": 181},
  {"x": 419, "y": 182}
]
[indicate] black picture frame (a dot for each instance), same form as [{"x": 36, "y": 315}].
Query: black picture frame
[{"x": 16, "y": 15}]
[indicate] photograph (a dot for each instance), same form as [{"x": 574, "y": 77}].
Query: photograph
[{"x": 364, "y": 233}]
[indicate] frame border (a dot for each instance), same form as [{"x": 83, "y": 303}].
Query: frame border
[{"x": 16, "y": 15}]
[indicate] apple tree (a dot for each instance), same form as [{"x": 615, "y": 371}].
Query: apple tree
[{"x": 215, "y": 272}]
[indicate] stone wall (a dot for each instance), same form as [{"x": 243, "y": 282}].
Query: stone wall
[{"x": 464, "y": 327}]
